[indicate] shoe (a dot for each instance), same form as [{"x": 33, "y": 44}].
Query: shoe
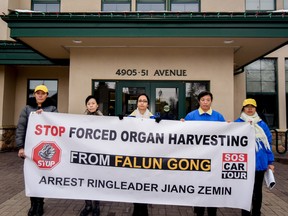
[
  {"x": 96, "y": 211},
  {"x": 87, "y": 209},
  {"x": 39, "y": 208},
  {"x": 32, "y": 209}
]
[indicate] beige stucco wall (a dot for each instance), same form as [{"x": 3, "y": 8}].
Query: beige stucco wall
[
  {"x": 239, "y": 92},
  {"x": 201, "y": 64},
  {"x": 38, "y": 72},
  {"x": 80, "y": 6},
  {"x": 223, "y": 6},
  {"x": 3, "y": 25},
  {"x": 2, "y": 84},
  {"x": 9, "y": 96},
  {"x": 281, "y": 54},
  {"x": 19, "y": 4},
  {"x": 5, "y": 6}
]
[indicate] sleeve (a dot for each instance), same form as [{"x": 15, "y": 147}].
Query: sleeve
[
  {"x": 54, "y": 109},
  {"x": 21, "y": 129},
  {"x": 267, "y": 132},
  {"x": 221, "y": 118},
  {"x": 269, "y": 137},
  {"x": 188, "y": 117}
]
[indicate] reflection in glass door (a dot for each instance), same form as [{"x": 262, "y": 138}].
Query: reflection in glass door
[
  {"x": 169, "y": 99},
  {"x": 166, "y": 104},
  {"x": 164, "y": 98},
  {"x": 127, "y": 93},
  {"x": 129, "y": 98}
]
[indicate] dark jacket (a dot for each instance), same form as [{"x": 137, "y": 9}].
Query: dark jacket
[
  {"x": 98, "y": 112},
  {"x": 47, "y": 106}
]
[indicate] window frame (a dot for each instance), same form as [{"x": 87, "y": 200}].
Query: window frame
[
  {"x": 259, "y": 5},
  {"x": 285, "y": 4},
  {"x": 267, "y": 102},
  {"x": 115, "y": 2},
  {"x": 184, "y": 2},
  {"x": 46, "y": 2},
  {"x": 151, "y": 2}
]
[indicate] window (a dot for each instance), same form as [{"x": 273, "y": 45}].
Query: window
[
  {"x": 185, "y": 5},
  {"x": 257, "y": 5},
  {"x": 46, "y": 5},
  {"x": 105, "y": 95},
  {"x": 52, "y": 86},
  {"x": 116, "y": 5},
  {"x": 150, "y": 5},
  {"x": 285, "y": 4},
  {"x": 261, "y": 85},
  {"x": 261, "y": 76},
  {"x": 192, "y": 91}
]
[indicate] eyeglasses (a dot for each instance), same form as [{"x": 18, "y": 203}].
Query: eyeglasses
[{"x": 142, "y": 101}]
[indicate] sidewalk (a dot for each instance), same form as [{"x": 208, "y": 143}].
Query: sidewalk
[{"x": 14, "y": 202}]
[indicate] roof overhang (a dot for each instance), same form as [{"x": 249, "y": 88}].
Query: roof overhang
[{"x": 250, "y": 35}]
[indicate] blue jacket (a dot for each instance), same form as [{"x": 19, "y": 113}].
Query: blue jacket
[
  {"x": 264, "y": 157},
  {"x": 196, "y": 116}
]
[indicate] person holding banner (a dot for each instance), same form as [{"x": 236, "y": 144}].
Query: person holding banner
[
  {"x": 204, "y": 113},
  {"x": 264, "y": 154},
  {"x": 142, "y": 111},
  {"x": 91, "y": 205},
  {"x": 39, "y": 103}
]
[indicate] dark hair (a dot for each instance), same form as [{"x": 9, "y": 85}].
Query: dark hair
[
  {"x": 90, "y": 97},
  {"x": 204, "y": 93},
  {"x": 143, "y": 94}
]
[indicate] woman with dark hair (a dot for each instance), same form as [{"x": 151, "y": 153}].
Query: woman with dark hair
[
  {"x": 205, "y": 113},
  {"x": 142, "y": 111},
  {"x": 91, "y": 205},
  {"x": 264, "y": 154}
]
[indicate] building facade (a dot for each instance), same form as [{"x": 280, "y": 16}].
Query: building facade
[{"x": 169, "y": 49}]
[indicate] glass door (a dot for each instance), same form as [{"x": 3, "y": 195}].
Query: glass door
[
  {"x": 167, "y": 99},
  {"x": 126, "y": 95}
]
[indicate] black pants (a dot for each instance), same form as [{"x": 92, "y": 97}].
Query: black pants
[
  {"x": 212, "y": 211},
  {"x": 37, "y": 200},
  {"x": 257, "y": 195},
  {"x": 140, "y": 209}
]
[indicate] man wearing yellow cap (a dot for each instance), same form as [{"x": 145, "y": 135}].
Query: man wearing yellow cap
[
  {"x": 264, "y": 155},
  {"x": 39, "y": 103}
]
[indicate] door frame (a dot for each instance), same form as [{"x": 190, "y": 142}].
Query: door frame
[{"x": 150, "y": 86}]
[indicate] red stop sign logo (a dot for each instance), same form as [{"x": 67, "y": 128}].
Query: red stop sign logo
[{"x": 46, "y": 154}]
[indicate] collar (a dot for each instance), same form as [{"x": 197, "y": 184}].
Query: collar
[{"x": 201, "y": 112}]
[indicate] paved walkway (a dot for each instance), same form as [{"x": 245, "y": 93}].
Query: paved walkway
[{"x": 14, "y": 202}]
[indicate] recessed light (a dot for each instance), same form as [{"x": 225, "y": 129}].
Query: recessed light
[
  {"x": 77, "y": 41},
  {"x": 228, "y": 41}
]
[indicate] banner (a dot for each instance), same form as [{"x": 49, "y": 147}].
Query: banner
[{"x": 192, "y": 163}]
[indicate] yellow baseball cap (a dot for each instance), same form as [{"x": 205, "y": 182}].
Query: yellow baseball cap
[
  {"x": 249, "y": 101},
  {"x": 41, "y": 88}
]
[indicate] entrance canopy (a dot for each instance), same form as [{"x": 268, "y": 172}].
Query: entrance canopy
[{"x": 250, "y": 35}]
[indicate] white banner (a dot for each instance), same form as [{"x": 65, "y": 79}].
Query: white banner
[{"x": 189, "y": 163}]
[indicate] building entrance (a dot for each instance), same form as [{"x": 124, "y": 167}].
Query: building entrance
[{"x": 166, "y": 98}]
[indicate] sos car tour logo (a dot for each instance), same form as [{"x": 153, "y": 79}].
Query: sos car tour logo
[
  {"x": 234, "y": 165},
  {"x": 46, "y": 155}
]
